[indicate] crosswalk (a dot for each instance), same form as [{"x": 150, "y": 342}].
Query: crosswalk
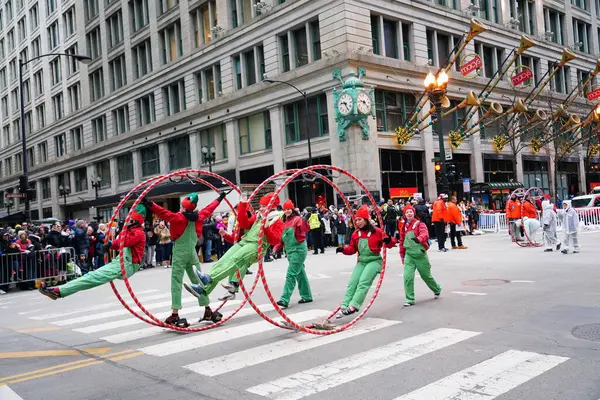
[{"x": 311, "y": 369}]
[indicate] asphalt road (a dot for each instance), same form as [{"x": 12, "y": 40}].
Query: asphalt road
[{"x": 507, "y": 334}]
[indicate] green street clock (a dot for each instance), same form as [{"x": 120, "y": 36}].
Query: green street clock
[{"x": 353, "y": 104}]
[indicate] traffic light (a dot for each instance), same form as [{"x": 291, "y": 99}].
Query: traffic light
[
  {"x": 438, "y": 173},
  {"x": 438, "y": 167},
  {"x": 23, "y": 184}
]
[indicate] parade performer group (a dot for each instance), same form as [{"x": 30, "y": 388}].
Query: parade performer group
[
  {"x": 134, "y": 241},
  {"x": 186, "y": 228}
]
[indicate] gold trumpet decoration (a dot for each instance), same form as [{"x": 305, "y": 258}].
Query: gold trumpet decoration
[
  {"x": 476, "y": 27},
  {"x": 493, "y": 109},
  {"x": 567, "y": 56},
  {"x": 470, "y": 100},
  {"x": 572, "y": 125}
]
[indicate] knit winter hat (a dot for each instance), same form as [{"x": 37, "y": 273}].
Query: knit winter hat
[
  {"x": 409, "y": 207},
  {"x": 190, "y": 202},
  {"x": 267, "y": 199},
  {"x": 288, "y": 205},
  {"x": 138, "y": 214},
  {"x": 363, "y": 213}
]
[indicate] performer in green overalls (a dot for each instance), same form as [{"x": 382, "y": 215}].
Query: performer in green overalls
[
  {"x": 294, "y": 240},
  {"x": 367, "y": 240},
  {"x": 134, "y": 241},
  {"x": 243, "y": 254},
  {"x": 414, "y": 243},
  {"x": 186, "y": 227}
]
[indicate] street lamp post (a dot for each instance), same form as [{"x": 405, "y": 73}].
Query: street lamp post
[
  {"x": 9, "y": 204},
  {"x": 96, "y": 181},
  {"x": 25, "y": 178},
  {"x": 64, "y": 192},
  {"x": 209, "y": 158},
  {"x": 436, "y": 90}
]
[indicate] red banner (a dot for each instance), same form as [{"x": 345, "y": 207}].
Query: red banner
[
  {"x": 403, "y": 192},
  {"x": 522, "y": 76},
  {"x": 470, "y": 66},
  {"x": 594, "y": 94},
  {"x": 594, "y": 185}
]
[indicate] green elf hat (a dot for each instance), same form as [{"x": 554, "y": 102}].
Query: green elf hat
[
  {"x": 138, "y": 214},
  {"x": 190, "y": 202}
]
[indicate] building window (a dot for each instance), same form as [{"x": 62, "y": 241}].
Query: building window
[
  {"x": 392, "y": 109},
  {"x": 41, "y": 115},
  {"x": 38, "y": 83},
  {"x": 103, "y": 172},
  {"x": 145, "y": 110},
  {"x": 27, "y": 91},
  {"x": 561, "y": 83},
  {"x": 114, "y": 27},
  {"x": 582, "y": 77},
  {"x": 209, "y": 83},
  {"x": 142, "y": 58},
  {"x": 55, "y": 71},
  {"x": 385, "y": 37},
  {"x": 46, "y": 191},
  {"x": 583, "y": 4},
  {"x": 298, "y": 48},
  {"x": 81, "y": 184},
  {"x": 60, "y": 144},
  {"x": 43, "y": 152},
  {"x": 18, "y": 162},
  {"x": 179, "y": 153},
  {"x": 53, "y": 36},
  {"x": 5, "y": 107},
  {"x": 22, "y": 29},
  {"x": 10, "y": 37},
  {"x": 150, "y": 161},
  {"x": 58, "y": 106},
  {"x": 118, "y": 74},
  {"x": 491, "y": 57},
  {"x": 91, "y": 9},
  {"x": 554, "y": 22},
  {"x": 237, "y": 70},
  {"x": 174, "y": 97},
  {"x": 121, "y": 120},
  {"x": 77, "y": 138},
  {"x": 125, "y": 168},
  {"x": 31, "y": 157},
  {"x": 3, "y": 81},
  {"x": 215, "y": 137},
  {"x": 75, "y": 97},
  {"x": 533, "y": 63},
  {"x": 488, "y": 9},
  {"x": 171, "y": 44},
  {"x": 69, "y": 20},
  {"x": 241, "y": 11},
  {"x": 16, "y": 129},
  {"x": 28, "y": 123},
  {"x": 166, "y": 5},
  {"x": 36, "y": 47},
  {"x": 582, "y": 35},
  {"x": 93, "y": 40},
  {"x": 96, "y": 85},
  {"x": 6, "y": 134},
  {"x": 522, "y": 12},
  {"x": 34, "y": 17},
  {"x": 24, "y": 57},
  {"x": 255, "y": 133},
  {"x": 250, "y": 63},
  {"x": 8, "y": 166},
  {"x": 444, "y": 44},
  {"x": 12, "y": 67},
  {"x": 72, "y": 62},
  {"x": 51, "y": 6},
  {"x": 138, "y": 9},
  {"x": 204, "y": 19},
  {"x": 99, "y": 129},
  {"x": 295, "y": 125}
]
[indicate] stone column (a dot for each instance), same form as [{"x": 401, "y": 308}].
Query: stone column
[
  {"x": 430, "y": 186},
  {"x": 195, "y": 155},
  {"x": 277, "y": 138},
  {"x": 137, "y": 166},
  {"x": 163, "y": 157},
  {"x": 57, "y": 210}
]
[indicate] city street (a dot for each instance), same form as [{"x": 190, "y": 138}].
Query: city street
[{"x": 504, "y": 327}]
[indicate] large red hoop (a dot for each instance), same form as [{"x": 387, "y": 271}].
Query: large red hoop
[
  {"x": 154, "y": 181},
  {"x": 260, "y": 273},
  {"x": 310, "y": 328},
  {"x": 517, "y": 192}
]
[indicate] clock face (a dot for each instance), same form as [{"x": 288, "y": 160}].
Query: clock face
[
  {"x": 345, "y": 104},
  {"x": 363, "y": 101}
]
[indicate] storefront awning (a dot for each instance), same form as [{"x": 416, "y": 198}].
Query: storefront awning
[{"x": 487, "y": 186}]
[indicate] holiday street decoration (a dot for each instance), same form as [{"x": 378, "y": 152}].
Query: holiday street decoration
[
  {"x": 455, "y": 138},
  {"x": 353, "y": 104},
  {"x": 593, "y": 150},
  {"x": 536, "y": 145},
  {"x": 499, "y": 141},
  {"x": 403, "y": 135}
]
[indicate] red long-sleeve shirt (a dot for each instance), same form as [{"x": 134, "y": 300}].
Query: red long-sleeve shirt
[
  {"x": 178, "y": 222},
  {"x": 272, "y": 233},
  {"x": 375, "y": 241},
  {"x": 420, "y": 230},
  {"x": 135, "y": 239}
]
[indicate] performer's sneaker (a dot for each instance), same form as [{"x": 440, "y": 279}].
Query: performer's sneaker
[
  {"x": 408, "y": 304},
  {"x": 349, "y": 310},
  {"x": 228, "y": 296},
  {"x": 204, "y": 278},
  {"x": 172, "y": 320},
  {"x": 282, "y": 304},
  {"x": 304, "y": 301},
  {"x": 548, "y": 251},
  {"x": 51, "y": 292},
  {"x": 195, "y": 290},
  {"x": 230, "y": 287},
  {"x": 438, "y": 294},
  {"x": 558, "y": 246}
]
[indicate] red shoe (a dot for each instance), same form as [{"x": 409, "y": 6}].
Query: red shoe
[{"x": 51, "y": 292}]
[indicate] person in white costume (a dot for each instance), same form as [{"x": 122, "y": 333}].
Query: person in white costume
[
  {"x": 549, "y": 222},
  {"x": 570, "y": 226}
]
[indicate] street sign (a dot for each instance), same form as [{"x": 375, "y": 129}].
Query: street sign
[
  {"x": 448, "y": 154},
  {"x": 466, "y": 185},
  {"x": 14, "y": 195}
]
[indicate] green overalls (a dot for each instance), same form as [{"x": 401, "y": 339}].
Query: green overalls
[
  {"x": 416, "y": 258},
  {"x": 240, "y": 256},
  {"x": 296, "y": 255},
  {"x": 102, "y": 275},
  {"x": 184, "y": 257},
  {"x": 369, "y": 265}
]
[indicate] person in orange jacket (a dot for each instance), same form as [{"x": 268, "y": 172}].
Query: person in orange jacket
[
  {"x": 456, "y": 219},
  {"x": 439, "y": 218},
  {"x": 513, "y": 214},
  {"x": 529, "y": 209}
]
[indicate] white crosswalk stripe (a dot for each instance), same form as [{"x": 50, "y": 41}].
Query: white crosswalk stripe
[
  {"x": 327, "y": 376},
  {"x": 489, "y": 379},
  {"x": 222, "y": 335}
]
